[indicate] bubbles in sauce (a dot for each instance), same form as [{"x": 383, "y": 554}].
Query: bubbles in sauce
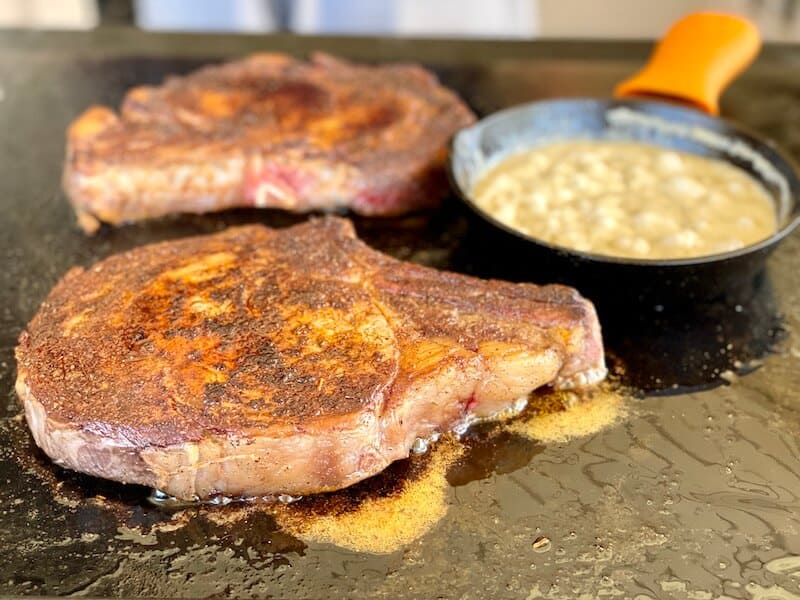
[{"x": 627, "y": 199}]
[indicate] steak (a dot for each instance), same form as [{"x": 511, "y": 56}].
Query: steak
[
  {"x": 266, "y": 131},
  {"x": 255, "y": 361}
]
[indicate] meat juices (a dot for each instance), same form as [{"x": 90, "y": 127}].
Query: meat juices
[{"x": 258, "y": 362}]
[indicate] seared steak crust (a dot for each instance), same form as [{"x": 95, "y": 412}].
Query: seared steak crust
[
  {"x": 259, "y": 361},
  {"x": 266, "y": 131}
]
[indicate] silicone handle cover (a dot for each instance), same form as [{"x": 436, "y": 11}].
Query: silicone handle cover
[{"x": 696, "y": 60}]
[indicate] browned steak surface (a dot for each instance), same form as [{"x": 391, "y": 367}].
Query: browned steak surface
[
  {"x": 267, "y": 131},
  {"x": 259, "y": 361}
]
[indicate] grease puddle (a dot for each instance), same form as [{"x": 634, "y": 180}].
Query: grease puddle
[
  {"x": 381, "y": 515},
  {"x": 400, "y": 505},
  {"x": 406, "y": 508}
]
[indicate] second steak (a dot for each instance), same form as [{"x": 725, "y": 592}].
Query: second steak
[{"x": 266, "y": 131}]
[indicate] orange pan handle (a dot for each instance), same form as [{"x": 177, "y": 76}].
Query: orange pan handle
[{"x": 696, "y": 60}]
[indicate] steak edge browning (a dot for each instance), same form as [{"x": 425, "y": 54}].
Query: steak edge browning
[
  {"x": 266, "y": 131},
  {"x": 257, "y": 362}
]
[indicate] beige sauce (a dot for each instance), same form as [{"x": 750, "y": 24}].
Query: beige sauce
[{"x": 627, "y": 199}]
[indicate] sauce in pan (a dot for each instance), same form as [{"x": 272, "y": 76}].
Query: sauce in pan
[{"x": 627, "y": 199}]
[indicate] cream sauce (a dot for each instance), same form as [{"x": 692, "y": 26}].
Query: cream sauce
[{"x": 627, "y": 199}]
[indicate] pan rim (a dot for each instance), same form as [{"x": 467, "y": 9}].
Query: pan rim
[{"x": 739, "y": 130}]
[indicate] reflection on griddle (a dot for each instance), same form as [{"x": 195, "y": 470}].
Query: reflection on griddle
[
  {"x": 659, "y": 345},
  {"x": 671, "y": 348},
  {"x": 490, "y": 449},
  {"x": 382, "y": 514}
]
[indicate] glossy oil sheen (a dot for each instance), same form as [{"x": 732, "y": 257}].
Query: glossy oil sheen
[{"x": 696, "y": 495}]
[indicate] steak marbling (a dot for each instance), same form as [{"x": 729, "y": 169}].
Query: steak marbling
[
  {"x": 258, "y": 361},
  {"x": 266, "y": 131}
]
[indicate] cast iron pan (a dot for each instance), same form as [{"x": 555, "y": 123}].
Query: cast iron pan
[{"x": 693, "y": 63}]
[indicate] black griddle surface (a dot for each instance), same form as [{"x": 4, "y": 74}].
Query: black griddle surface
[{"x": 695, "y": 496}]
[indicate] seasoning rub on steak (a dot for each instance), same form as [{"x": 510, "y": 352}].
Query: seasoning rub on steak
[
  {"x": 256, "y": 361},
  {"x": 266, "y": 131}
]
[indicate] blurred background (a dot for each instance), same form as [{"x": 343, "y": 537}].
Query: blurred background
[{"x": 778, "y": 20}]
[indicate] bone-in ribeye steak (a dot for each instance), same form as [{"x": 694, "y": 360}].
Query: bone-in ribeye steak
[
  {"x": 259, "y": 361},
  {"x": 266, "y": 131}
]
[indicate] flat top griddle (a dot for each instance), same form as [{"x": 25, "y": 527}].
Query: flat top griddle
[{"x": 696, "y": 496}]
